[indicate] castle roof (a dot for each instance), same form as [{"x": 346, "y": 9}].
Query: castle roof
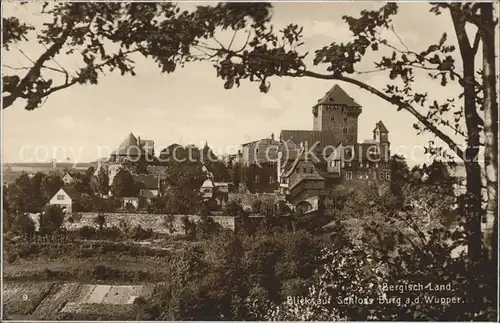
[
  {"x": 338, "y": 96},
  {"x": 129, "y": 147},
  {"x": 381, "y": 126},
  {"x": 324, "y": 138}
]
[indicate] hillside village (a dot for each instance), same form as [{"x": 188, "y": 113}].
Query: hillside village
[
  {"x": 285, "y": 167},
  {"x": 145, "y": 219},
  {"x": 138, "y": 218},
  {"x": 297, "y": 168},
  {"x": 324, "y": 212}
]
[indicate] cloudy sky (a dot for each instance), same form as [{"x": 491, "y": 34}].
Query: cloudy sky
[{"x": 192, "y": 106}]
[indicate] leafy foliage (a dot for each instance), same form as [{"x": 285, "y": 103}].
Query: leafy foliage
[
  {"x": 31, "y": 194},
  {"x": 51, "y": 219},
  {"x": 124, "y": 184},
  {"x": 104, "y": 37},
  {"x": 102, "y": 181}
]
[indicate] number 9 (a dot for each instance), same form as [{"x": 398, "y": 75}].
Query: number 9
[{"x": 25, "y": 297}]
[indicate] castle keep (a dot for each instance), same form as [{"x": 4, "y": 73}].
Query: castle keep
[{"x": 313, "y": 161}]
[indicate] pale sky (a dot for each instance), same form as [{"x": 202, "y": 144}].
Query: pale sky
[{"x": 192, "y": 106}]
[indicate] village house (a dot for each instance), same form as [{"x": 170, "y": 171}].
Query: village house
[
  {"x": 214, "y": 191},
  {"x": 313, "y": 161},
  {"x": 67, "y": 179},
  {"x": 68, "y": 198}
]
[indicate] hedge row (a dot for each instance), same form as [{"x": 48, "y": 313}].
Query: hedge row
[{"x": 79, "y": 249}]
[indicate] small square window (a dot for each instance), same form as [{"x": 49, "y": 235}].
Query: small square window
[{"x": 60, "y": 197}]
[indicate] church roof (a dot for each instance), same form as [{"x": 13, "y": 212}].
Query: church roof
[
  {"x": 129, "y": 147},
  {"x": 337, "y": 95}
]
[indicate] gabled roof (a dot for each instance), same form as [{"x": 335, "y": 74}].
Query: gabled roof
[
  {"x": 72, "y": 193},
  {"x": 208, "y": 183},
  {"x": 338, "y": 96},
  {"x": 325, "y": 138},
  {"x": 315, "y": 176},
  {"x": 129, "y": 147},
  {"x": 381, "y": 126},
  {"x": 68, "y": 175}
]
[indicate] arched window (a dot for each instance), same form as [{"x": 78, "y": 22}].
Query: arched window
[{"x": 344, "y": 130}]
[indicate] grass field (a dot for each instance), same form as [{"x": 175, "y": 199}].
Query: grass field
[
  {"x": 117, "y": 269},
  {"x": 43, "y": 301},
  {"x": 70, "y": 282}
]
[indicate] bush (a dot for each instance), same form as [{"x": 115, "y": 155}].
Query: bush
[
  {"x": 189, "y": 227},
  {"x": 256, "y": 206},
  {"x": 21, "y": 224},
  {"x": 233, "y": 208},
  {"x": 28, "y": 250},
  {"x": 76, "y": 216},
  {"x": 100, "y": 220},
  {"x": 283, "y": 208},
  {"x": 168, "y": 223},
  {"x": 206, "y": 227},
  {"x": 112, "y": 233},
  {"x": 130, "y": 207},
  {"x": 87, "y": 232},
  {"x": 11, "y": 257},
  {"x": 138, "y": 233},
  {"x": 51, "y": 219}
]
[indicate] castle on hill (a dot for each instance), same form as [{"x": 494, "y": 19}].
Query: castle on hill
[{"x": 313, "y": 161}]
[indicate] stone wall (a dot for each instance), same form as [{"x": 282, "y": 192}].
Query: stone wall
[{"x": 156, "y": 222}]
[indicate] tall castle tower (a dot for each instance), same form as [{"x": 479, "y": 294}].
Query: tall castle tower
[{"x": 337, "y": 112}]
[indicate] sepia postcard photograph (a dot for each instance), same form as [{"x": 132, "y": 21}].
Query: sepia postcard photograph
[{"x": 249, "y": 161}]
